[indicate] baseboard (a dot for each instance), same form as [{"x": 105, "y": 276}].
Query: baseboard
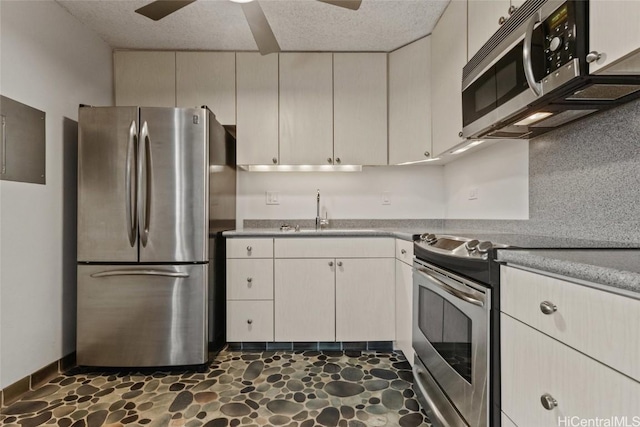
[
  {"x": 317, "y": 346},
  {"x": 15, "y": 391}
]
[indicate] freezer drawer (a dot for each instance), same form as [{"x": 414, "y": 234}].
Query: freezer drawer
[{"x": 142, "y": 315}]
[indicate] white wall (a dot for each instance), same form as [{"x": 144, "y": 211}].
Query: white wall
[
  {"x": 499, "y": 174},
  {"x": 52, "y": 63},
  {"x": 416, "y": 192}
]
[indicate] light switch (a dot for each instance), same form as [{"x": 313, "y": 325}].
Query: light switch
[
  {"x": 273, "y": 198},
  {"x": 473, "y": 193},
  {"x": 386, "y": 198}
]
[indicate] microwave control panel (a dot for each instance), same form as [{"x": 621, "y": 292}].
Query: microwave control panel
[{"x": 559, "y": 38}]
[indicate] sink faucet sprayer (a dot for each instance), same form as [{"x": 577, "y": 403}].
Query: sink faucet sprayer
[{"x": 320, "y": 222}]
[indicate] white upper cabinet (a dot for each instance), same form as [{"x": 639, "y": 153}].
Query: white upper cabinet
[
  {"x": 306, "y": 108},
  {"x": 484, "y": 20},
  {"x": 360, "y": 108},
  {"x": 448, "y": 57},
  {"x": 207, "y": 78},
  {"x": 614, "y": 32},
  {"x": 145, "y": 78},
  {"x": 257, "y": 120},
  {"x": 410, "y": 102}
]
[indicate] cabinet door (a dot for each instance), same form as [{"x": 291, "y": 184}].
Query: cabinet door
[
  {"x": 257, "y": 91},
  {"x": 306, "y": 108},
  {"x": 534, "y": 364},
  {"x": 483, "y": 21},
  {"x": 572, "y": 321},
  {"x": 365, "y": 299},
  {"x": 448, "y": 57},
  {"x": 207, "y": 78},
  {"x": 249, "y": 321},
  {"x": 613, "y": 31},
  {"x": 145, "y": 78},
  {"x": 404, "y": 308},
  {"x": 410, "y": 103},
  {"x": 360, "y": 108},
  {"x": 304, "y": 299},
  {"x": 249, "y": 279}
]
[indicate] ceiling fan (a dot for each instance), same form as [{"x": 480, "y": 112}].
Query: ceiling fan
[{"x": 260, "y": 28}]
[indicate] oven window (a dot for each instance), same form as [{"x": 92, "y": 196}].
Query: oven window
[{"x": 448, "y": 330}]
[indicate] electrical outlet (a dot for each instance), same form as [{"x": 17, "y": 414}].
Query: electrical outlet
[
  {"x": 386, "y": 198},
  {"x": 473, "y": 193},
  {"x": 272, "y": 198}
]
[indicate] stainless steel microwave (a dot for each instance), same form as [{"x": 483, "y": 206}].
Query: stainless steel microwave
[{"x": 532, "y": 76}]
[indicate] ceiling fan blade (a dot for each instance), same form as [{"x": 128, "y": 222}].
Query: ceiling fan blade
[
  {"x": 347, "y": 4},
  {"x": 260, "y": 28},
  {"x": 161, "y": 8}
]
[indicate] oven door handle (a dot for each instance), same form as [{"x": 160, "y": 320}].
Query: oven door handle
[{"x": 450, "y": 289}]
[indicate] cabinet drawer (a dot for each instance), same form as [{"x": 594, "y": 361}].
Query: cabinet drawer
[
  {"x": 602, "y": 325},
  {"x": 325, "y": 247},
  {"x": 249, "y": 321},
  {"x": 250, "y": 279},
  {"x": 250, "y": 248},
  {"x": 534, "y": 364},
  {"x": 404, "y": 251}
]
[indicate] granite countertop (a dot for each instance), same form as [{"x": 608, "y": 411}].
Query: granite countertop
[
  {"x": 404, "y": 234},
  {"x": 611, "y": 268}
]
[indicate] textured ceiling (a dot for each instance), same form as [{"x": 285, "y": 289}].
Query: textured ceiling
[{"x": 299, "y": 25}]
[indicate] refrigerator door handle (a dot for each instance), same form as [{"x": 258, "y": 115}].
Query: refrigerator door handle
[
  {"x": 143, "y": 184},
  {"x": 132, "y": 223},
  {"x": 141, "y": 272}
]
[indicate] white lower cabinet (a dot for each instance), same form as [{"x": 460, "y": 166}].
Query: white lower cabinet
[
  {"x": 569, "y": 353},
  {"x": 365, "y": 298},
  {"x": 250, "y": 279},
  {"x": 249, "y": 290},
  {"x": 536, "y": 367},
  {"x": 317, "y": 290},
  {"x": 249, "y": 321},
  {"x": 404, "y": 298},
  {"x": 404, "y": 309},
  {"x": 304, "y": 300},
  {"x": 601, "y": 324}
]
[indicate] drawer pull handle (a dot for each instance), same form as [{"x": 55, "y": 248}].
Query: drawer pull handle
[
  {"x": 330, "y": 263},
  {"x": 548, "y": 401},
  {"x": 339, "y": 263},
  {"x": 403, "y": 251},
  {"x": 548, "y": 307},
  {"x": 249, "y": 248},
  {"x": 249, "y": 279},
  {"x": 249, "y": 321}
]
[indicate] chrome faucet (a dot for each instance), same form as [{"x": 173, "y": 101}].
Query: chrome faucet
[{"x": 320, "y": 222}]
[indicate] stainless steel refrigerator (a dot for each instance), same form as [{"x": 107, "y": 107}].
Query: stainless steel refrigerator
[{"x": 145, "y": 178}]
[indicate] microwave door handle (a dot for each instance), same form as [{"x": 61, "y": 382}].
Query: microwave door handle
[
  {"x": 450, "y": 289},
  {"x": 535, "y": 86}
]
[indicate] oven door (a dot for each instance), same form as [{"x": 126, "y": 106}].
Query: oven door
[{"x": 450, "y": 337}]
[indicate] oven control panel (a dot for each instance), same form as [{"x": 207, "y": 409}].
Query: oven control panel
[{"x": 455, "y": 246}]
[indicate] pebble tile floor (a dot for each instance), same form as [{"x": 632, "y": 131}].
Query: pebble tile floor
[{"x": 292, "y": 389}]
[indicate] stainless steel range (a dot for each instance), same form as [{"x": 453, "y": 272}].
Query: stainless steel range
[
  {"x": 456, "y": 321},
  {"x": 454, "y": 313}
]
